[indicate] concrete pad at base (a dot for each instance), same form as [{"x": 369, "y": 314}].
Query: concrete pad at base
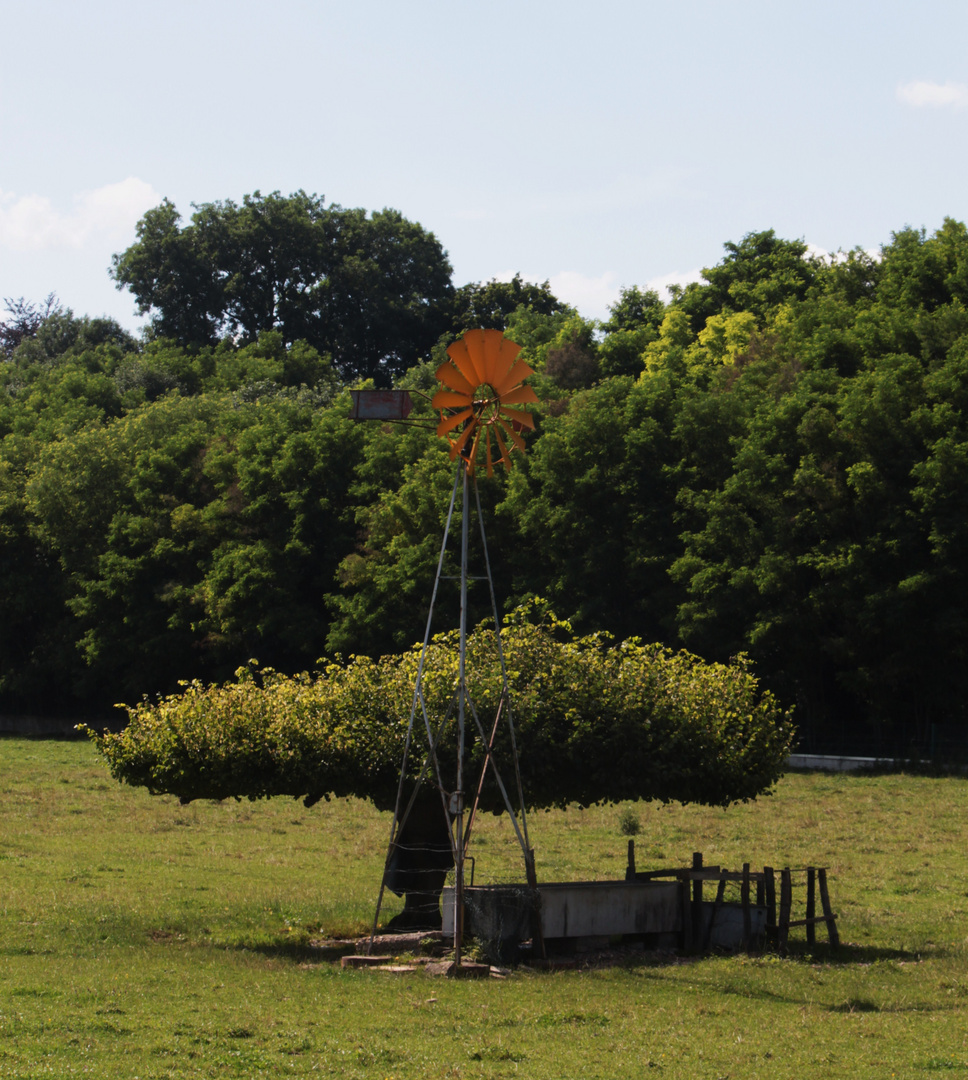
[
  {"x": 464, "y": 970},
  {"x": 364, "y": 961}
]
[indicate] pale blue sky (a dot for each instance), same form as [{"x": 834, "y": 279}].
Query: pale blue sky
[{"x": 593, "y": 144}]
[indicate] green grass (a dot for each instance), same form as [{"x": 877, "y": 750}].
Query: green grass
[{"x": 139, "y": 938}]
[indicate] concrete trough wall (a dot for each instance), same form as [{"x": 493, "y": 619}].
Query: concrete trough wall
[
  {"x": 594, "y": 910},
  {"x": 608, "y": 908}
]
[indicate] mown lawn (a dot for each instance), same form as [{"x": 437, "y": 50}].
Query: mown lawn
[{"x": 140, "y": 938}]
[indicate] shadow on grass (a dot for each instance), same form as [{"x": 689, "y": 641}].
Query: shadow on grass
[
  {"x": 955, "y": 766},
  {"x": 848, "y": 955},
  {"x": 302, "y": 952},
  {"x": 296, "y": 952},
  {"x": 820, "y": 953}
]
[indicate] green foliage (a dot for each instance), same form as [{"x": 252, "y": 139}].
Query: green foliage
[
  {"x": 371, "y": 290},
  {"x": 177, "y": 539},
  {"x": 629, "y": 823},
  {"x": 773, "y": 464},
  {"x": 758, "y": 274},
  {"x": 23, "y": 320},
  {"x": 595, "y": 722},
  {"x": 593, "y": 504},
  {"x": 490, "y": 305}
]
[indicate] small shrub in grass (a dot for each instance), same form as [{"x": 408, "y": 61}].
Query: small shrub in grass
[{"x": 628, "y": 822}]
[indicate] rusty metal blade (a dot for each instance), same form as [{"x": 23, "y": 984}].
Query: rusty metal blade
[
  {"x": 507, "y": 354},
  {"x": 449, "y": 399},
  {"x": 516, "y": 374},
  {"x": 458, "y": 352},
  {"x": 472, "y": 457},
  {"x": 461, "y": 441},
  {"x": 515, "y": 438},
  {"x": 519, "y": 395},
  {"x": 518, "y": 417},
  {"x": 505, "y": 456},
  {"x": 448, "y": 423},
  {"x": 491, "y": 365},
  {"x": 451, "y": 377},
  {"x": 490, "y": 463},
  {"x": 477, "y": 349}
]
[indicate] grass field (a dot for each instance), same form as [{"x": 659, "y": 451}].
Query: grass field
[{"x": 139, "y": 938}]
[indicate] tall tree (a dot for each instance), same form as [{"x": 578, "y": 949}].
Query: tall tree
[{"x": 373, "y": 291}]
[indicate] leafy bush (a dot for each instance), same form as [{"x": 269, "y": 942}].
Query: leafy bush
[{"x": 595, "y": 722}]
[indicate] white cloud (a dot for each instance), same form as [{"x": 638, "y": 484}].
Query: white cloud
[
  {"x": 591, "y": 296},
  {"x": 933, "y": 95},
  {"x": 838, "y": 256},
  {"x": 33, "y": 223}
]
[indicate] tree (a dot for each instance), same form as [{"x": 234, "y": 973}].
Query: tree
[
  {"x": 24, "y": 321},
  {"x": 595, "y": 723},
  {"x": 62, "y": 335},
  {"x": 572, "y": 358},
  {"x": 759, "y": 274},
  {"x": 372, "y": 291},
  {"x": 634, "y": 322},
  {"x": 490, "y": 305}
]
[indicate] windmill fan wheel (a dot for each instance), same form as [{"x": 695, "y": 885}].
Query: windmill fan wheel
[{"x": 482, "y": 380}]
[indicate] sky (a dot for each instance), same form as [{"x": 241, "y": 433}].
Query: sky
[{"x": 593, "y": 145}]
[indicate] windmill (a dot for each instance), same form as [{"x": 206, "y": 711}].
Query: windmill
[{"x": 482, "y": 387}]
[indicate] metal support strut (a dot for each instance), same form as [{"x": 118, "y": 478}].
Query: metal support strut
[{"x": 454, "y": 802}]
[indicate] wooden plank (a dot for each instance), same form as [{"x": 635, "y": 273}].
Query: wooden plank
[
  {"x": 770, "y": 884},
  {"x": 808, "y": 922},
  {"x": 708, "y": 873},
  {"x": 697, "y": 933},
  {"x": 829, "y": 917},
  {"x": 537, "y": 936},
  {"x": 744, "y": 895},
  {"x": 684, "y": 907},
  {"x": 363, "y": 961},
  {"x": 717, "y": 904},
  {"x": 786, "y": 902}
]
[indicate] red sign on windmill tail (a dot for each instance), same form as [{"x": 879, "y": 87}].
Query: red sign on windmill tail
[{"x": 381, "y": 404}]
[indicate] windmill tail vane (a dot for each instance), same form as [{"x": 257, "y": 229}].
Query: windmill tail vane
[{"x": 483, "y": 380}]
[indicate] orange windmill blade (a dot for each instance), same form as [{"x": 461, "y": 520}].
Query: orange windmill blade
[{"x": 482, "y": 379}]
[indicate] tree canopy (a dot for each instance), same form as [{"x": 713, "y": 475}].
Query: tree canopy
[
  {"x": 772, "y": 463},
  {"x": 370, "y": 291},
  {"x": 595, "y": 722}
]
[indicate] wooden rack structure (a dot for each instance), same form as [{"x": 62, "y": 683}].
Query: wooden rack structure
[{"x": 697, "y": 930}]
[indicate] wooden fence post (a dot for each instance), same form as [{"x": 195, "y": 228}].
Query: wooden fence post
[
  {"x": 828, "y": 915},
  {"x": 769, "y": 883},
  {"x": 685, "y": 908},
  {"x": 786, "y": 903},
  {"x": 811, "y": 905},
  {"x": 697, "y": 928},
  {"x": 720, "y": 894},
  {"x": 744, "y": 896}
]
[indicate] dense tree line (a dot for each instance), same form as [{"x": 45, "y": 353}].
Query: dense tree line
[{"x": 775, "y": 462}]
